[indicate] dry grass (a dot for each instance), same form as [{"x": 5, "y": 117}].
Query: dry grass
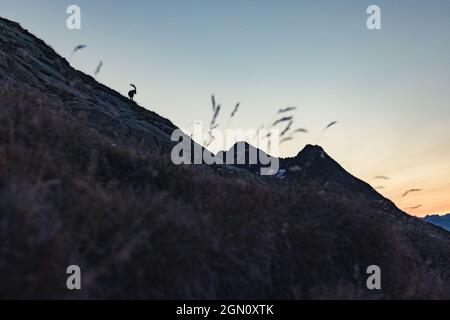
[{"x": 140, "y": 227}]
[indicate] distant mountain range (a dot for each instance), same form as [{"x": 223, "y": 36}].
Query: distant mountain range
[{"x": 441, "y": 221}]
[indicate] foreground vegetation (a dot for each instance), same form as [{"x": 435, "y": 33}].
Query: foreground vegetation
[{"x": 140, "y": 227}]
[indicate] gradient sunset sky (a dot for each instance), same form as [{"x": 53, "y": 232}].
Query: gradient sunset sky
[{"x": 388, "y": 89}]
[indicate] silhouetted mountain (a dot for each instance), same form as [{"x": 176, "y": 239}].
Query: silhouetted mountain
[
  {"x": 245, "y": 156},
  {"x": 86, "y": 178},
  {"x": 314, "y": 164},
  {"x": 440, "y": 221}
]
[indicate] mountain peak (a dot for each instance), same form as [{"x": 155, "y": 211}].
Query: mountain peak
[
  {"x": 312, "y": 152},
  {"x": 312, "y": 148},
  {"x": 314, "y": 164}
]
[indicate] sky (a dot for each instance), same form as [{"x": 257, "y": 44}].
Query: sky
[{"x": 388, "y": 89}]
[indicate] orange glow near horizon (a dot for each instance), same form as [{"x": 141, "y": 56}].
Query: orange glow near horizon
[
  {"x": 433, "y": 203},
  {"x": 433, "y": 199},
  {"x": 425, "y": 167}
]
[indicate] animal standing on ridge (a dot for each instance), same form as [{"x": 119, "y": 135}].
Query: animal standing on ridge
[{"x": 132, "y": 93}]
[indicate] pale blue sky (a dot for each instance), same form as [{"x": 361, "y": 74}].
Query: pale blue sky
[{"x": 389, "y": 89}]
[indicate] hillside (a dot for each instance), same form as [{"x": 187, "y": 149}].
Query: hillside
[{"x": 86, "y": 179}]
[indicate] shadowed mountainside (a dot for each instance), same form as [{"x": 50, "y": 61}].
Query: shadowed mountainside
[{"x": 85, "y": 178}]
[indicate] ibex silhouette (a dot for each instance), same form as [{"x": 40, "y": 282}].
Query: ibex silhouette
[{"x": 131, "y": 93}]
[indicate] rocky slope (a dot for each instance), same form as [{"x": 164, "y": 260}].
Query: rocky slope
[{"x": 27, "y": 62}]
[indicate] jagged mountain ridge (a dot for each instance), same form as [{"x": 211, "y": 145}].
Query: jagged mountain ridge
[{"x": 312, "y": 163}]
